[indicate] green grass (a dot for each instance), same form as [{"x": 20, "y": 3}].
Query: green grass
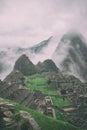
[
  {"x": 57, "y": 101},
  {"x": 46, "y": 123},
  {"x": 39, "y": 83},
  {"x": 61, "y": 117},
  {"x": 60, "y": 102}
]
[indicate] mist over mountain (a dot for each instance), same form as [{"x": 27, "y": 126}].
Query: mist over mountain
[
  {"x": 39, "y": 47},
  {"x": 71, "y": 55},
  {"x": 36, "y": 53},
  {"x": 23, "y": 24}
]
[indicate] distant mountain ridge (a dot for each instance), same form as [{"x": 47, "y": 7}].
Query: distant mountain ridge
[{"x": 39, "y": 47}]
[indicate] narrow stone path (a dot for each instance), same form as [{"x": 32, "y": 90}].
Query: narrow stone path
[
  {"x": 68, "y": 109},
  {"x": 54, "y": 114}
]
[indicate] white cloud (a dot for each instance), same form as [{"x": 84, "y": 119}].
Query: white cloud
[{"x": 31, "y": 21}]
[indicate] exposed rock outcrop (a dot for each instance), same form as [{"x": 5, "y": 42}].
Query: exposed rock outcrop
[
  {"x": 15, "y": 77},
  {"x": 10, "y": 120},
  {"x": 30, "y": 120}
]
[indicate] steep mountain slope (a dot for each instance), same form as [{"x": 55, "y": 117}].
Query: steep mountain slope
[
  {"x": 39, "y": 47},
  {"x": 13, "y": 88},
  {"x": 14, "y": 116},
  {"x": 71, "y": 55},
  {"x": 25, "y": 66},
  {"x": 11, "y": 118}
]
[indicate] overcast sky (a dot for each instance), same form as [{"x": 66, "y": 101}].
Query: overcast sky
[{"x": 27, "y": 22}]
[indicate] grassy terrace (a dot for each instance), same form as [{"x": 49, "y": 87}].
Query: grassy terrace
[
  {"x": 61, "y": 117},
  {"x": 39, "y": 83},
  {"x": 60, "y": 102},
  {"x": 46, "y": 123}
]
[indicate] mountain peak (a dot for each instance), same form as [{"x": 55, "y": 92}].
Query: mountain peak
[
  {"x": 73, "y": 38},
  {"x": 47, "y": 66},
  {"x": 24, "y": 65},
  {"x": 71, "y": 55},
  {"x": 71, "y": 35}
]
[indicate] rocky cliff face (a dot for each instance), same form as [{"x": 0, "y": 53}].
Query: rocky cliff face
[
  {"x": 71, "y": 55},
  {"x": 15, "y": 76},
  {"x": 25, "y": 66}
]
